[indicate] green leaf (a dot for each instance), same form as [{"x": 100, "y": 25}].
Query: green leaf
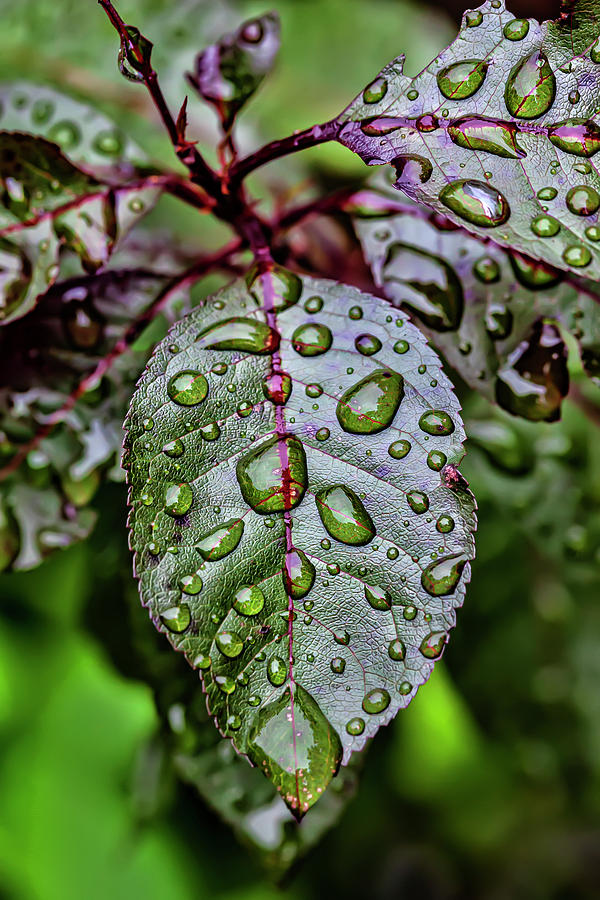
[
  {"x": 299, "y": 527},
  {"x": 492, "y": 313},
  {"x": 498, "y": 133},
  {"x": 227, "y": 73},
  {"x": 48, "y": 204}
]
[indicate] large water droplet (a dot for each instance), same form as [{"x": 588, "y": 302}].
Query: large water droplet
[
  {"x": 221, "y": 540},
  {"x": 296, "y": 747},
  {"x": 516, "y": 30},
  {"x": 418, "y": 501},
  {"x": 535, "y": 378},
  {"x": 431, "y": 646},
  {"x": 277, "y": 387},
  {"x": 187, "y": 388},
  {"x": 581, "y": 137},
  {"x": 229, "y": 643},
  {"x": 436, "y": 422},
  {"x": 377, "y": 597},
  {"x": 311, "y": 339},
  {"x": 344, "y": 515},
  {"x": 531, "y": 87},
  {"x": 412, "y": 170},
  {"x": 249, "y": 600},
  {"x": 276, "y": 289},
  {"x": 277, "y": 671},
  {"x": 367, "y": 344},
  {"x": 399, "y": 449},
  {"x": 533, "y": 274},
  {"x": 481, "y": 133},
  {"x": 370, "y": 405},
  {"x": 462, "y": 79},
  {"x": 375, "y": 91},
  {"x": 431, "y": 288},
  {"x": 583, "y": 200},
  {"x": 178, "y": 498},
  {"x": 174, "y": 448},
  {"x": 476, "y": 202},
  {"x": 355, "y": 726},
  {"x": 376, "y": 701},
  {"x": 239, "y": 333},
  {"x": 273, "y": 477},
  {"x": 191, "y": 584},
  {"x": 577, "y": 255},
  {"x": 177, "y": 619},
  {"x": 441, "y": 576},
  {"x": 396, "y": 650},
  {"x": 298, "y": 574}
]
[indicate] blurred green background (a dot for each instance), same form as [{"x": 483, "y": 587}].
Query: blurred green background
[{"x": 488, "y": 786}]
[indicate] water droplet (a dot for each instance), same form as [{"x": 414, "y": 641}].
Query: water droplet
[
  {"x": 277, "y": 387},
  {"x": 355, "y": 726},
  {"x": 229, "y": 643},
  {"x": 531, "y": 87},
  {"x": 375, "y": 91},
  {"x": 367, "y": 344},
  {"x": 298, "y": 574},
  {"x": 248, "y": 600},
  {"x": 210, "y": 432},
  {"x": 410, "y": 612},
  {"x": 580, "y": 137},
  {"x": 303, "y": 766},
  {"x": 473, "y": 18},
  {"x": 376, "y": 701},
  {"x": 225, "y": 683},
  {"x": 273, "y": 476},
  {"x": 462, "y": 79},
  {"x": 441, "y": 577},
  {"x": 595, "y": 51},
  {"x": 498, "y": 321},
  {"x": 489, "y": 135},
  {"x": 174, "y": 448},
  {"x": 313, "y": 304},
  {"x": 221, "y": 540},
  {"x": 547, "y": 193},
  {"x": 412, "y": 169},
  {"x": 533, "y": 274},
  {"x": 355, "y": 312},
  {"x": 202, "y": 661},
  {"x": 254, "y": 700},
  {"x": 322, "y": 434},
  {"x": 436, "y": 460},
  {"x": 338, "y": 665},
  {"x": 545, "y": 226},
  {"x": 177, "y": 619},
  {"x": 190, "y": 584},
  {"x": 393, "y": 553},
  {"x": 445, "y": 524},
  {"x": 277, "y": 671},
  {"x": 220, "y": 368},
  {"x": 399, "y": 449},
  {"x": 405, "y": 687},
  {"x": 418, "y": 501},
  {"x": 283, "y": 288},
  {"x": 343, "y": 638},
  {"x": 178, "y": 498},
  {"x": 431, "y": 646},
  {"x": 313, "y": 390},
  {"x": 187, "y": 388},
  {"x": 371, "y": 405},
  {"x": 583, "y": 200},
  {"x": 377, "y": 597},
  {"x": 396, "y": 650},
  {"x": 65, "y": 133},
  {"x": 344, "y": 515},
  {"x": 436, "y": 422},
  {"x": 311, "y": 339},
  {"x": 476, "y": 202},
  {"x": 535, "y": 377},
  {"x": 42, "y": 111},
  {"x": 381, "y": 125},
  {"x": 109, "y": 143},
  {"x": 244, "y": 409},
  {"x": 487, "y": 270},
  {"x": 577, "y": 255},
  {"x": 592, "y": 233},
  {"x": 238, "y": 333},
  {"x": 516, "y": 30}
]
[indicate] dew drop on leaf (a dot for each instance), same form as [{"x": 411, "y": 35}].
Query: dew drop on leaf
[
  {"x": 177, "y": 619},
  {"x": 239, "y": 333},
  {"x": 531, "y": 87},
  {"x": 463, "y": 79},
  {"x": 229, "y": 643},
  {"x": 311, "y": 339},
  {"x": 376, "y": 701},
  {"x": 436, "y": 422},
  {"x": 476, "y": 202},
  {"x": 273, "y": 476},
  {"x": 187, "y": 388},
  {"x": 370, "y": 406},
  {"x": 344, "y": 515},
  {"x": 221, "y": 540},
  {"x": 441, "y": 577},
  {"x": 249, "y": 600}
]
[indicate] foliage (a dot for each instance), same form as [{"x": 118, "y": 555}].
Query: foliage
[{"x": 248, "y": 498}]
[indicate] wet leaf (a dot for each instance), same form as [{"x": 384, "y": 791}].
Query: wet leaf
[
  {"x": 299, "y": 527},
  {"x": 227, "y": 73},
  {"x": 47, "y": 205},
  {"x": 499, "y": 133},
  {"x": 492, "y": 313}
]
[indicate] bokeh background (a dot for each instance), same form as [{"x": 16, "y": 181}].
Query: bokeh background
[{"x": 488, "y": 786}]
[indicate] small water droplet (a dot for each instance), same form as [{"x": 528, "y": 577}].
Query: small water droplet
[
  {"x": 577, "y": 256},
  {"x": 377, "y": 597},
  {"x": 229, "y": 643},
  {"x": 174, "y": 448},
  {"x": 190, "y": 584},
  {"x": 431, "y": 646},
  {"x": 298, "y": 574},
  {"x": 445, "y": 524},
  {"x": 396, "y": 650},
  {"x": 355, "y": 726},
  {"x": 277, "y": 671},
  {"x": 248, "y": 600},
  {"x": 583, "y": 200},
  {"x": 418, "y": 501},
  {"x": 516, "y": 30},
  {"x": 436, "y": 422},
  {"x": 177, "y": 619},
  {"x": 375, "y": 91},
  {"x": 338, "y": 665},
  {"x": 355, "y": 312}
]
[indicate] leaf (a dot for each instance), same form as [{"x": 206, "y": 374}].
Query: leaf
[
  {"x": 227, "y": 73},
  {"x": 498, "y": 133},
  {"x": 492, "y": 313},
  {"x": 316, "y": 438},
  {"x": 44, "y": 358},
  {"x": 47, "y": 204},
  {"x": 89, "y": 138}
]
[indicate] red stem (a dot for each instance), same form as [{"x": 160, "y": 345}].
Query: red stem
[{"x": 301, "y": 140}]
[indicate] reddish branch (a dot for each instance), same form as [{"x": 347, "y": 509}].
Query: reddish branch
[{"x": 301, "y": 140}]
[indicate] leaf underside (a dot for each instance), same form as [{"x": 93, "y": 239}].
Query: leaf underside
[
  {"x": 499, "y": 133},
  {"x": 299, "y": 528},
  {"x": 492, "y": 313}
]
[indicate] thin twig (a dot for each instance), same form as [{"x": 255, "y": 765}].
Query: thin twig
[{"x": 301, "y": 140}]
